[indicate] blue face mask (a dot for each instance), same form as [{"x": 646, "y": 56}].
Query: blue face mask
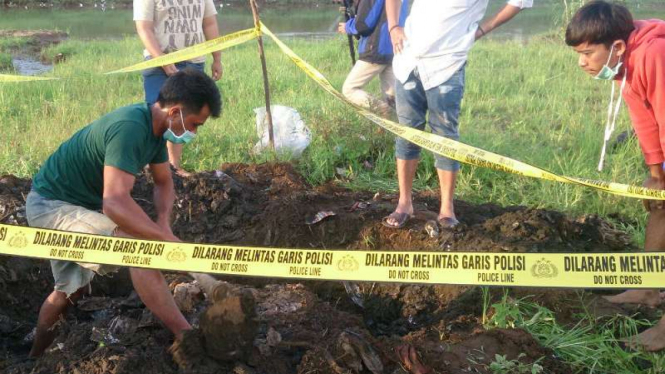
[
  {"x": 186, "y": 137},
  {"x": 607, "y": 73}
]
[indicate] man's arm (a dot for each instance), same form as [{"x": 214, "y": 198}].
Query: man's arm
[
  {"x": 119, "y": 206},
  {"x": 163, "y": 194},
  {"x": 655, "y": 88},
  {"x": 211, "y": 31},
  {"x": 396, "y": 31},
  {"x": 146, "y": 32},
  {"x": 366, "y": 19},
  {"x": 504, "y": 15}
]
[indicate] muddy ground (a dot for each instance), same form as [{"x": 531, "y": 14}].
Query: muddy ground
[
  {"x": 36, "y": 42},
  {"x": 297, "y": 327}
]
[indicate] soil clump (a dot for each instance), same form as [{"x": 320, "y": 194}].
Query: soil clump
[{"x": 289, "y": 326}]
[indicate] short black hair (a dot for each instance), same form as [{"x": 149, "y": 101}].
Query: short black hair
[
  {"x": 599, "y": 22},
  {"x": 192, "y": 89}
]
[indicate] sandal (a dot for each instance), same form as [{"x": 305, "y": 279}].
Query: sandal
[
  {"x": 400, "y": 218},
  {"x": 448, "y": 222}
]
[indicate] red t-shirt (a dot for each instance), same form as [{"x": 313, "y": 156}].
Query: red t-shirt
[{"x": 645, "y": 87}]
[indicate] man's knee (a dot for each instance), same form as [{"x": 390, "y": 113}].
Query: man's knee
[
  {"x": 61, "y": 300},
  {"x": 348, "y": 90}
]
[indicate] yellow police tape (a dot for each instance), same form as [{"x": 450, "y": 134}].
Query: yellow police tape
[
  {"x": 463, "y": 152},
  {"x": 22, "y": 78},
  {"x": 567, "y": 270},
  {"x": 194, "y": 51},
  {"x": 437, "y": 144},
  {"x": 217, "y": 44}
]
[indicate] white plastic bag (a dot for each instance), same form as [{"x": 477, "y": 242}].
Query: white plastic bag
[{"x": 291, "y": 134}]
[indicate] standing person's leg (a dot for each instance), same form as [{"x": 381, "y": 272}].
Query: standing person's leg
[
  {"x": 388, "y": 88},
  {"x": 411, "y": 111},
  {"x": 153, "y": 80},
  {"x": 175, "y": 150},
  {"x": 444, "y": 103},
  {"x": 354, "y": 85},
  {"x": 654, "y": 240},
  {"x": 652, "y": 339}
]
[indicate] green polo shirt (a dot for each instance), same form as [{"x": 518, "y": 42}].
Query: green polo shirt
[{"x": 123, "y": 139}]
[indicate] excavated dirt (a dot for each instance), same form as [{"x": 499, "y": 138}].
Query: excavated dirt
[{"x": 303, "y": 327}]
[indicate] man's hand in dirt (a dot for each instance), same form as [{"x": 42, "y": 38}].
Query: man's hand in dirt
[
  {"x": 170, "y": 69},
  {"x": 654, "y": 183},
  {"x": 217, "y": 70},
  {"x": 398, "y": 38}
]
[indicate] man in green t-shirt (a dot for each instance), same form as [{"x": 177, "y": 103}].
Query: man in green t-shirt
[{"x": 85, "y": 187}]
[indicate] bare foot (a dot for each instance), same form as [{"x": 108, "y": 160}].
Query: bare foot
[
  {"x": 651, "y": 340},
  {"x": 651, "y": 298}
]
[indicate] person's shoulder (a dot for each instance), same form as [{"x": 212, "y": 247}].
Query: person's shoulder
[
  {"x": 132, "y": 113},
  {"x": 656, "y": 47},
  {"x": 652, "y": 53},
  {"x": 134, "y": 117}
]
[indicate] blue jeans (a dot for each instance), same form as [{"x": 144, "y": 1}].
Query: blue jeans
[
  {"x": 154, "y": 78},
  {"x": 443, "y": 103}
]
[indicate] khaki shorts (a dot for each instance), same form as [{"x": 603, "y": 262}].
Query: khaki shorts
[{"x": 59, "y": 215}]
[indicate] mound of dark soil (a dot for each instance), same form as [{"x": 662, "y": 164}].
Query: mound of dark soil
[{"x": 306, "y": 327}]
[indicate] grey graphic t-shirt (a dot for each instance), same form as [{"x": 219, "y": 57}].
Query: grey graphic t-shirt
[{"x": 178, "y": 23}]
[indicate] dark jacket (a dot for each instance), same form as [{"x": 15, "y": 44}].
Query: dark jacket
[{"x": 371, "y": 25}]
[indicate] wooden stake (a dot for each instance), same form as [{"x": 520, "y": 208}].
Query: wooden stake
[{"x": 266, "y": 87}]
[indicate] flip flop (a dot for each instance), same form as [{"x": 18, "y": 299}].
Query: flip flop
[
  {"x": 448, "y": 222},
  {"x": 401, "y": 218}
]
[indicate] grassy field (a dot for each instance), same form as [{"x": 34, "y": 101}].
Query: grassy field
[
  {"x": 528, "y": 101},
  {"x": 591, "y": 346}
]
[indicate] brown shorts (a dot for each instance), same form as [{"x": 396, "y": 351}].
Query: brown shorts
[{"x": 59, "y": 215}]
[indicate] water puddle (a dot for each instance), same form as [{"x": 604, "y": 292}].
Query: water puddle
[{"x": 27, "y": 65}]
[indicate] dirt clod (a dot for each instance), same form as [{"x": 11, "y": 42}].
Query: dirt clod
[{"x": 271, "y": 326}]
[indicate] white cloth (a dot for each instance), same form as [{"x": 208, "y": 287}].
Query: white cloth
[
  {"x": 439, "y": 35},
  {"x": 177, "y": 24}
]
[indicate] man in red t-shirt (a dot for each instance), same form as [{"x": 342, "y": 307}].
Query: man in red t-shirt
[{"x": 611, "y": 46}]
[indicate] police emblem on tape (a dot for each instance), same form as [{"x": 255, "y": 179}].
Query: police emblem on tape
[
  {"x": 18, "y": 240},
  {"x": 544, "y": 269},
  {"x": 347, "y": 263},
  {"x": 176, "y": 255}
]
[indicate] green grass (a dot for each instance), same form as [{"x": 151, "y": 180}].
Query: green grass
[
  {"x": 6, "y": 64},
  {"x": 13, "y": 43},
  {"x": 526, "y": 101},
  {"x": 591, "y": 346}
]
